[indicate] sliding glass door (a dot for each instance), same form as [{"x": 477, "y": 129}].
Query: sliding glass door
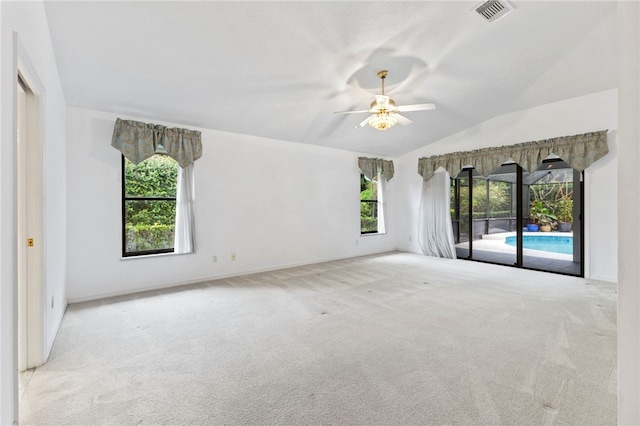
[
  {"x": 460, "y": 214},
  {"x": 554, "y": 204},
  {"x": 512, "y": 217},
  {"x": 495, "y": 220}
]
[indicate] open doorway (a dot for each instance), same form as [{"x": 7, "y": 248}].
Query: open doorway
[{"x": 29, "y": 226}]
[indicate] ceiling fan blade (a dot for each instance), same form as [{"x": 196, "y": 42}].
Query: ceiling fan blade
[
  {"x": 416, "y": 107},
  {"x": 382, "y": 100},
  {"x": 364, "y": 122},
  {"x": 352, "y": 112},
  {"x": 402, "y": 119}
]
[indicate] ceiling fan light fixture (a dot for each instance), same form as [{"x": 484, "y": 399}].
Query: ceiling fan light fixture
[
  {"x": 384, "y": 111},
  {"x": 382, "y": 121}
]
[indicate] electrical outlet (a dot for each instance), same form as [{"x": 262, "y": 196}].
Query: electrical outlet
[
  {"x": 215, "y": 259},
  {"x": 357, "y": 242},
  {"x": 409, "y": 239},
  {"x": 233, "y": 256}
]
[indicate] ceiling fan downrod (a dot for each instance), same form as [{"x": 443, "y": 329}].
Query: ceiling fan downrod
[{"x": 382, "y": 75}]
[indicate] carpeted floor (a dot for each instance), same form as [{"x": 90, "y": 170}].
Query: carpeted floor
[{"x": 387, "y": 339}]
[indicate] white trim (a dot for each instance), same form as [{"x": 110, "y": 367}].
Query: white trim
[
  {"x": 151, "y": 256},
  {"x": 599, "y": 278},
  {"x": 34, "y": 312},
  {"x": 215, "y": 277},
  {"x": 57, "y": 324},
  {"x": 21, "y": 250}
]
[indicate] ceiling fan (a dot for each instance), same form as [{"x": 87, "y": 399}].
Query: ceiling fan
[{"x": 384, "y": 111}]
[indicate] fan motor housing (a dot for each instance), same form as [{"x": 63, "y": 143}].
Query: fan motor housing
[{"x": 391, "y": 105}]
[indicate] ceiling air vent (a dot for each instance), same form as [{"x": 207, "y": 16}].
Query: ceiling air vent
[{"x": 493, "y": 10}]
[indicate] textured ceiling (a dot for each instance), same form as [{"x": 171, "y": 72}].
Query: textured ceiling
[{"x": 280, "y": 69}]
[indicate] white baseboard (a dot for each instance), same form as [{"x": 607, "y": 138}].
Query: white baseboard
[
  {"x": 214, "y": 277},
  {"x": 49, "y": 346},
  {"x": 603, "y": 279}
]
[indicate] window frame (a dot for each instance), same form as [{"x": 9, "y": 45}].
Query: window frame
[
  {"x": 124, "y": 200},
  {"x": 378, "y": 206}
]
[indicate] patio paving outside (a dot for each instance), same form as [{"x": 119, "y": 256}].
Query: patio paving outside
[{"x": 492, "y": 248}]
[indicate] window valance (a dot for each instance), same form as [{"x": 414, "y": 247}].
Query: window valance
[
  {"x": 579, "y": 151},
  {"x": 138, "y": 141},
  {"x": 370, "y": 167}
]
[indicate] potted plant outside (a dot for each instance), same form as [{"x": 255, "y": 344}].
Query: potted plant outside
[
  {"x": 564, "y": 213},
  {"x": 540, "y": 217},
  {"x": 547, "y": 222},
  {"x": 532, "y": 227},
  {"x": 535, "y": 211}
]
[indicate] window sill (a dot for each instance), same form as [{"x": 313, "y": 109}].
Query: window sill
[
  {"x": 147, "y": 256},
  {"x": 369, "y": 234}
]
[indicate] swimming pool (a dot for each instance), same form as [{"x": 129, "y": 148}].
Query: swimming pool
[{"x": 553, "y": 243}]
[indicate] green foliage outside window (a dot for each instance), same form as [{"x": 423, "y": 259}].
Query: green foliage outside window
[
  {"x": 556, "y": 196},
  {"x": 502, "y": 203},
  {"x": 564, "y": 209},
  {"x": 150, "y": 207},
  {"x": 554, "y": 191},
  {"x": 368, "y": 206},
  {"x": 500, "y": 200}
]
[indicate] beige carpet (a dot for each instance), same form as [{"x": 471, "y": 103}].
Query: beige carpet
[{"x": 388, "y": 339}]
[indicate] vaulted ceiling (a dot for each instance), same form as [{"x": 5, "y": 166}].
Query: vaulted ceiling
[{"x": 280, "y": 69}]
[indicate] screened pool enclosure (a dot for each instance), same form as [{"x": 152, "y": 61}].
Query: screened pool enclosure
[{"x": 513, "y": 217}]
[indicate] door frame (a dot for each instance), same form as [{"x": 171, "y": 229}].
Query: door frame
[{"x": 31, "y": 309}]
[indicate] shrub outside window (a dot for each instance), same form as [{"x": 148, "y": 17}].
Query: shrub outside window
[
  {"x": 369, "y": 206},
  {"x": 149, "y": 205}
]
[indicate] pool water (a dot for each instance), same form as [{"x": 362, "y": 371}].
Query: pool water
[{"x": 552, "y": 243}]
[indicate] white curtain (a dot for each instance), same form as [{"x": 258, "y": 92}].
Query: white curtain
[
  {"x": 382, "y": 183},
  {"x": 434, "y": 226},
  {"x": 185, "y": 197}
]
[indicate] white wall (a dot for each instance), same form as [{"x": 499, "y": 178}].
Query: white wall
[
  {"x": 574, "y": 116},
  {"x": 34, "y": 47},
  {"x": 275, "y": 204},
  {"x": 628, "y": 214},
  {"x": 8, "y": 360}
]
